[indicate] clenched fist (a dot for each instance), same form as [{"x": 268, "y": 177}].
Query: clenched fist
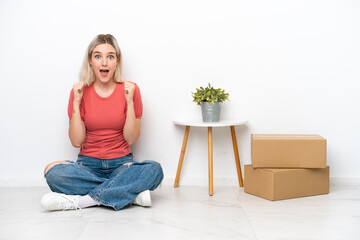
[
  {"x": 78, "y": 91},
  {"x": 129, "y": 91}
]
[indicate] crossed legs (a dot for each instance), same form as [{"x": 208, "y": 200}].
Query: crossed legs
[{"x": 117, "y": 190}]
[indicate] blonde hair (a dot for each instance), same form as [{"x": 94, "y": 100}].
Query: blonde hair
[{"x": 86, "y": 73}]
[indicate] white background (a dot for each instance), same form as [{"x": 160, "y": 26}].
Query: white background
[{"x": 289, "y": 66}]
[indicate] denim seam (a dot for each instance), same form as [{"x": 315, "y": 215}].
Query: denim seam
[
  {"x": 97, "y": 195},
  {"x": 110, "y": 185}
]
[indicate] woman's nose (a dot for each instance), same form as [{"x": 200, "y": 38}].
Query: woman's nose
[{"x": 104, "y": 62}]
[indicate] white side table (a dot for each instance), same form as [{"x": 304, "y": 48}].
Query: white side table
[{"x": 209, "y": 125}]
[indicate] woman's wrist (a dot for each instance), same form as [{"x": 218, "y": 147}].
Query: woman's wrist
[
  {"x": 130, "y": 102},
  {"x": 76, "y": 103}
]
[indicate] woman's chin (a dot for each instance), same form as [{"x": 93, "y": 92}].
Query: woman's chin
[{"x": 104, "y": 80}]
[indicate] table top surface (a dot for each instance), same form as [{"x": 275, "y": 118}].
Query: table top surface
[{"x": 200, "y": 123}]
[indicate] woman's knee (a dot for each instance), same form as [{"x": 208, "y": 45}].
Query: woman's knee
[
  {"x": 150, "y": 166},
  {"x": 157, "y": 173},
  {"x": 51, "y": 165},
  {"x": 156, "y": 168}
]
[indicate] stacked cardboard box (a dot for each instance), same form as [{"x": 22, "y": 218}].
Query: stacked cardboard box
[{"x": 287, "y": 166}]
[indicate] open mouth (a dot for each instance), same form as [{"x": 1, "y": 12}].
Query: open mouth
[{"x": 104, "y": 72}]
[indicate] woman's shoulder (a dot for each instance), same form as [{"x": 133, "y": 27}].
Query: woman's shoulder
[
  {"x": 120, "y": 83},
  {"x": 87, "y": 89}
]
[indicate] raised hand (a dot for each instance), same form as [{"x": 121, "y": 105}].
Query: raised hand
[
  {"x": 129, "y": 91},
  {"x": 78, "y": 91}
]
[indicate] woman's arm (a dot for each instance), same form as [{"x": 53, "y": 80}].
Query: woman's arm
[
  {"x": 77, "y": 132},
  {"x": 132, "y": 124}
]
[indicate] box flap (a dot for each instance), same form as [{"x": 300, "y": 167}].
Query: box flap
[
  {"x": 286, "y": 136},
  {"x": 278, "y": 170}
]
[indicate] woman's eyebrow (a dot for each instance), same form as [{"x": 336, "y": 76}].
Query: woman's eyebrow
[
  {"x": 97, "y": 52},
  {"x": 109, "y": 53}
]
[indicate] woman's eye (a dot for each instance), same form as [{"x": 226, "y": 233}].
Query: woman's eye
[
  {"x": 111, "y": 57},
  {"x": 97, "y": 56}
]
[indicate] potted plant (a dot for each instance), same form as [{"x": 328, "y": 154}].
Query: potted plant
[{"x": 210, "y": 100}]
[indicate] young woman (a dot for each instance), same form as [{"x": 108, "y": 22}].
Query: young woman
[{"x": 105, "y": 113}]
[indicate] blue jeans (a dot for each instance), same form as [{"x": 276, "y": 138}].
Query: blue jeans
[{"x": 110, "y": 182}]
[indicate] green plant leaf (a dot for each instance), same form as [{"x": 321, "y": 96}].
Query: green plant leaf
[{"x": 209, "y": 94}]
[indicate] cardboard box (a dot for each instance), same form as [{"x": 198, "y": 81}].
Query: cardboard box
[
  {"x": 277, "y": 184},
  {"x": 288, "y": 151}
]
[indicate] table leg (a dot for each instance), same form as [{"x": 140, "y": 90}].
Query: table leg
[
  {"x": 237, "y": 159},
  {"x": 182, "y": 154},
  {"x": 210, "y": 156}
]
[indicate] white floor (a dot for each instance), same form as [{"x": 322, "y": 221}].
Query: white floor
[{"x": 187, "y": 213}]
